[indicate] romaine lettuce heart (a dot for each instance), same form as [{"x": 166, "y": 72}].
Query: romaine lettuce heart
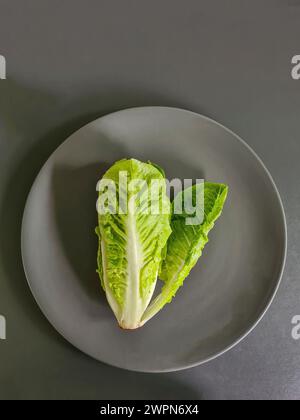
[
  {"x": 186, "y": 243},
  {"x": 131, "y": 239}
]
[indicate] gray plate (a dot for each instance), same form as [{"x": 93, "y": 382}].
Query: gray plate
[{"x": 225, "y": 295}]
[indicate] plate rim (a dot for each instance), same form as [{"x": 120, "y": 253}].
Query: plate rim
[{"x": 274, "y": 290}]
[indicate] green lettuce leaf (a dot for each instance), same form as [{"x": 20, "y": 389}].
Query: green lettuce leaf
[
  {"x": 186, "y": 243},
  {"x": 131, "y": 240}
]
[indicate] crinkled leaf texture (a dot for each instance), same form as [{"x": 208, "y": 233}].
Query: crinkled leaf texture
[
  {"x": 186, "y": 243},
  {"x": 131, "y": 240}
]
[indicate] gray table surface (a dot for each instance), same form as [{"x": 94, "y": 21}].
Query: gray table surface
[{"x": 71, "y": 61}]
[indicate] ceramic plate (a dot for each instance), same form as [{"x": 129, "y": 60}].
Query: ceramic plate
[{"x": 233, "y": 283}]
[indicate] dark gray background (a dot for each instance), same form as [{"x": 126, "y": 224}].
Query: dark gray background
[{"x": 70, "y": 61}]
